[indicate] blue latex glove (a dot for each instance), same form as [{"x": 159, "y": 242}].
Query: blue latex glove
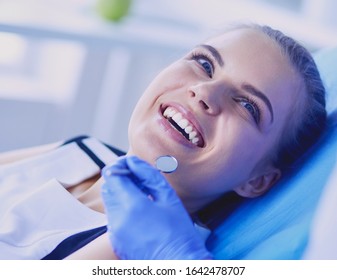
[{"x": 146, "y": 219}]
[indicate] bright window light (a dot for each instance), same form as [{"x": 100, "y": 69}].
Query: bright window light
[{"x": 13, "y": 49}]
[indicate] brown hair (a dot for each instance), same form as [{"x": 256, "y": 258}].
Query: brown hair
[{"x": 307, "y": 129}]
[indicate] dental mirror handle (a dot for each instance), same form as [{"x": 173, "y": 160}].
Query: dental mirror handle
[{"x": 165, "y": 164}]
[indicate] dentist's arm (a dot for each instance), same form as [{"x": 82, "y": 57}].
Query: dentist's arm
[{"x": 146, "y": 218}]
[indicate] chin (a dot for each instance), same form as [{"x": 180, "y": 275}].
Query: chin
[{"x": 142, "y": 149}]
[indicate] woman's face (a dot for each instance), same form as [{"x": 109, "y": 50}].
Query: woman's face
[{"x": 219, "y": 110}]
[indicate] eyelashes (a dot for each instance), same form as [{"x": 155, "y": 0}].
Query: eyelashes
[
  {"x": 205, "y": 61},
  {"x": 251, "y": 106}
]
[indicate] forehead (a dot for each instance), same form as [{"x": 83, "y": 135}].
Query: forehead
[
  {"x": 248, "y": 43},
  {"x": 240, "y": 34},
  {"x": 253, "y": 52}
]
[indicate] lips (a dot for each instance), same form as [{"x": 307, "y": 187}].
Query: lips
[{"x": 184, "y": 123}]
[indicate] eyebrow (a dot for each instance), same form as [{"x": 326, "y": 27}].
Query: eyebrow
[
  {"x": 252, "y": 90},
  {"x": 214, "y": 53}
]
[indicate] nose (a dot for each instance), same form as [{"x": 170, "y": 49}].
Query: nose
[{"x": 210, "y": 96}]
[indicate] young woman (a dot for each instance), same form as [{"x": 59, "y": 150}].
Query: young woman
[{"x": 235, "y": 112}]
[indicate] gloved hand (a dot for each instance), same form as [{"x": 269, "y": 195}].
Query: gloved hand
[{"x": 146, "y": 219}]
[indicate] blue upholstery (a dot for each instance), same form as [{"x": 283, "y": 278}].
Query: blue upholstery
[
  {"x": 327, "y": 63},
  {"x": 277, "y": 225}
]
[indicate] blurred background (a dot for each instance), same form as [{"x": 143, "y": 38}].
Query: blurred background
[{"x": 71, "y": 67}]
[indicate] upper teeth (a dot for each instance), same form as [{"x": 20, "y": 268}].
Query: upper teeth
[{"x": 183, "y": 123}]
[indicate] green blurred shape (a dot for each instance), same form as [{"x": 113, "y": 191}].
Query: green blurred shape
[{"x": 113, "y": 10}]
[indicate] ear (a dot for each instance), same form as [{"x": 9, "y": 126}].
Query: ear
[{"x": 260, "y": 184}]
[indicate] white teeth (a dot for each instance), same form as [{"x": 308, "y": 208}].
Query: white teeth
[
  {"x": 177, "y": 117},
  {"x": 195, "y": 140},
  {"x": 171, "y": 113},
  {"x": 183, "y": 123},
  {"x": 192, "y": 135},
  {"x": 188, "y": 129}
]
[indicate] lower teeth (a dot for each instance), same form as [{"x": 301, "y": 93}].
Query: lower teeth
[{"x": 177, "y": 127}]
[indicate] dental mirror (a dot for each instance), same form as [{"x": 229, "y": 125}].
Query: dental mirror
[{"x": 166, "y": 164}]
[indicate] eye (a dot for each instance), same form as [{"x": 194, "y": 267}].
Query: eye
[
  {"x": 205, "y": 62},
  {"x": 252, "y": 108}
]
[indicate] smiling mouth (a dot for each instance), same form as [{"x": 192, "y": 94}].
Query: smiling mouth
[{"x": 184, "y": 126}]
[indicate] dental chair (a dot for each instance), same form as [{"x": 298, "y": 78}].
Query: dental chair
[{"x": 279, "y": 224}]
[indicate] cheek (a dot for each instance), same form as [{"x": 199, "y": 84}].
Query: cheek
[
  {"x": 238, "y": 148},
  {"x": 215, "y": 174},
  {"x": 170, "y": 83},
  {"x": 169, "y": 78},
  {"x": 224, "y": 166}
]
